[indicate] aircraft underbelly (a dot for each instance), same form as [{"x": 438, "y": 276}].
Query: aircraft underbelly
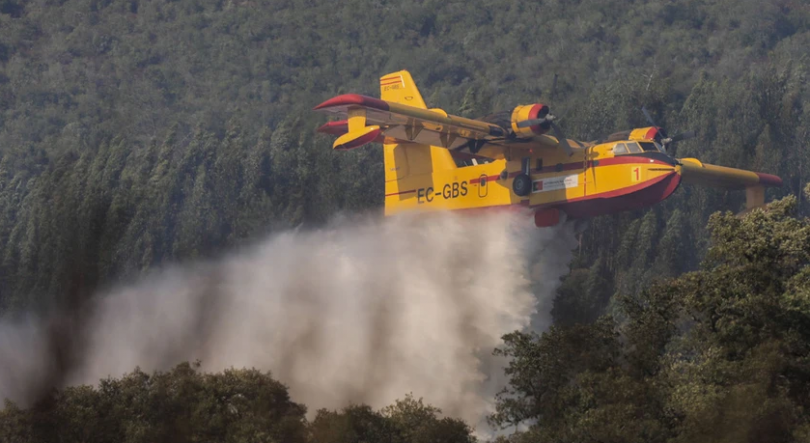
[{"x": 642, "y": 194}]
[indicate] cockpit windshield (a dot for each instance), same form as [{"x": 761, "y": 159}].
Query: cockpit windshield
[
  {"x": 635, "y": 148},
  {"x": 649, "y": 146}
]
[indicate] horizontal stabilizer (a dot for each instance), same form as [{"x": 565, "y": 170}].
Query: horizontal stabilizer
[
  {"x": 340, "y": 127},
  {"x": 356, "y": 139}
]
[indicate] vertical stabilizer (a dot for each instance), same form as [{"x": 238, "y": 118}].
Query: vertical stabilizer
[
  {"x": 398, "y": 87},
  {"x": 407, "y": 164}
]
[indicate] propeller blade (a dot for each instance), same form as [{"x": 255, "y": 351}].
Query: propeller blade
[
  {"x": 647, "y": 115},
  {"x": 532, "y": 122},
  {"x": 683, "y": 136},
  {"x": 561, "y": 138}
]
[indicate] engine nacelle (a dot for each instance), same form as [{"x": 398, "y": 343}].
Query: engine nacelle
[{"x": 530, "y": 112}]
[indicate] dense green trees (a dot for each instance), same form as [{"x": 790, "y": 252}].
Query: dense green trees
[
  {"x": 185, "y": 405},
  {"x": 134, "y": 133},
  {"x": 119, "y": 209},
  {"x": 179, "y": 128},
  {"x": 406, "y": 421},
  {"x": 718, "y": 354},
  {"x": 180, "y": 405}
]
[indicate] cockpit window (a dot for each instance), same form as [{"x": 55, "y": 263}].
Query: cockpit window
[
  {"x": 648, "y": 147},
  {"x": 619, "y": 149},
  {"x": 633, "y": 147}
]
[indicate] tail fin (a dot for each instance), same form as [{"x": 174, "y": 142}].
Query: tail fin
[
  {"x": 404, "y": 162},
  {"x": 398, "y": 87}
]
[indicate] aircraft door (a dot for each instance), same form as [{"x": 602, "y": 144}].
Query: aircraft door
[
  {"x": 589, "y": 172},
  {"x": 482, "y": 186}
]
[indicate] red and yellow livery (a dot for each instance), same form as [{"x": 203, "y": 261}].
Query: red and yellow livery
[{"x": 437, "y": 161}]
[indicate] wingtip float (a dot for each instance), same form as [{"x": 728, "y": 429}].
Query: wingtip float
[{"x": 519, "y": 157}]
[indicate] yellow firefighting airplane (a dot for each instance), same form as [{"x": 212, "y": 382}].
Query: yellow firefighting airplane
[{"x": 436, "y": 161}]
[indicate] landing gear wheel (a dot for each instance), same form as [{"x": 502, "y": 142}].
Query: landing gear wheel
[{"x": 522, "y": 185}]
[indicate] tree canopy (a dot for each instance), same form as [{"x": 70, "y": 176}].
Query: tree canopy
[
  {"x": 236, "y": 405},
  {"x": 718, "y": 354},
  {"x": 134, "y": 133}
]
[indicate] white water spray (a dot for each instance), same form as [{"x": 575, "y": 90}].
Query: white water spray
[{"x": 362, "y": 311}]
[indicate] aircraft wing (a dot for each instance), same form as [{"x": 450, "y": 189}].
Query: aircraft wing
[
  {"x": 370, "y": 118},
  {"x": 696, "y": 172},
  {"x": 693, "y": 171}
]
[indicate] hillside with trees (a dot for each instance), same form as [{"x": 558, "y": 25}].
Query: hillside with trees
[
  {"x": 185, "y": 405},
  {"x": 137, "y": 133},
  {"x": 718, "y": 354}
]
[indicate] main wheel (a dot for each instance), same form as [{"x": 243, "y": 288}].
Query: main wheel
[{"x": 522, "y": 185}]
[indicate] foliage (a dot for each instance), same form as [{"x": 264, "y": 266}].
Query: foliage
[
  {"x": 178, "y": 406},
  {"x": 718, "y": 354},
  {"x": 185, "y": 405},
  {"x": 132, "y": 132},
  {"x": 406, "y": 421}
]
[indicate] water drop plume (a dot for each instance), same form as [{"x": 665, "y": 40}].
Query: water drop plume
[{"x": 364, "y": 310}]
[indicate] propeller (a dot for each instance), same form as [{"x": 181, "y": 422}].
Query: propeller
[
  {"x": 665, "y": 140},
  {"x": 682, "y": 136},
  {"x": 557, "y": 131},
  {"x": 536, "y": 121},
  {"x": 647, "y": 115}
]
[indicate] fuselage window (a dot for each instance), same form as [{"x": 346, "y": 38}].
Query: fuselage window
[
  {"x": 633, "y": 147},
  {"x": 619, "y": 149},
  {"x": 648, "y": 147},
  {"x": 474, "y": 161},
  {"x": 539, "y": 166}
]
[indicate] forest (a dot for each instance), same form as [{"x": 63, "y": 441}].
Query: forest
[{"x": 137, "y": 133}]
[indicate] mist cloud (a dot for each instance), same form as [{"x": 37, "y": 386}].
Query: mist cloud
[{"x": 365, "y": 310}]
